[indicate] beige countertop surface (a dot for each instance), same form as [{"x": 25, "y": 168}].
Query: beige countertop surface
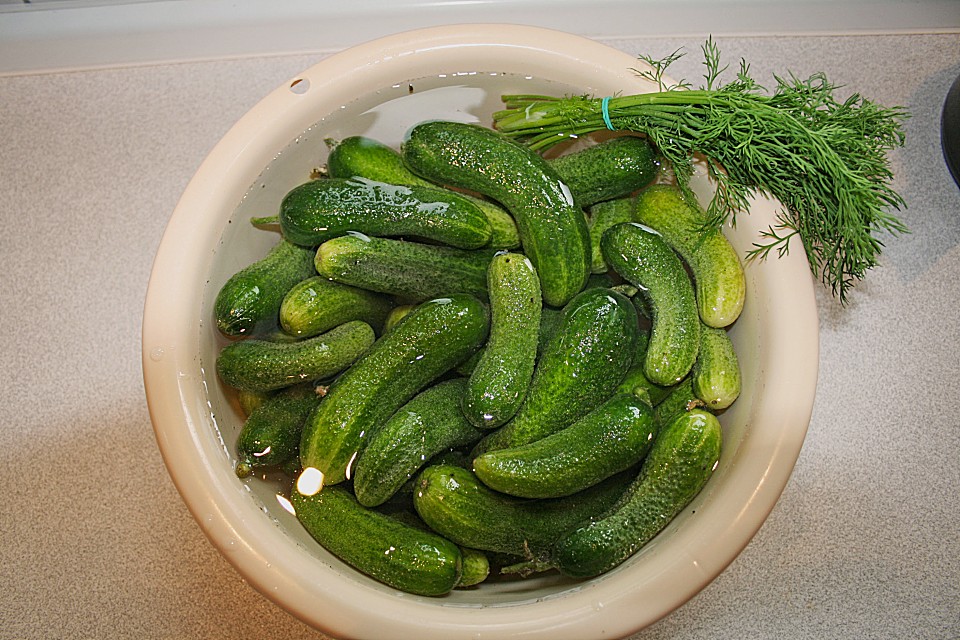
[{"x": 96, "y": 543}]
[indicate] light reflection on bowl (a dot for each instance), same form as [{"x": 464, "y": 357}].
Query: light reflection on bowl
[{"x": 380, "y": 89}]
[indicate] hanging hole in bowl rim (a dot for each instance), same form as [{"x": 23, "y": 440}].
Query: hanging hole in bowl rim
[{"x": 300, "y": 86}]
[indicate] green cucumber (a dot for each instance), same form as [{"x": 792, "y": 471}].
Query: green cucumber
[
  {"x": 553, "y": 230},
  {"x": 317, "y": 304},
  {"x": 431, "y": 340},
  {"x": 403, "y": 498},
  {"x": 642, "y": 257},
  {"x": 476, "y": 568},
  {"x": 397, "y": 314},
  {"x": 716, "y": 268},
  {"x": 610, "y": 439},
  {"x": 250, "y": 400},
  {"x": 291, "y": 468},
  {"x": 581, "y": 366},
  {"x": 610, "y": 169},
  {"x": 549, "y": 321},
  {"x": 680, "y": 399},
  {"x": 455, "y": 504},
  {"x": 636, "y": 381},
  {"x": 606, "y": 281},
  {"x": 681, "y": 460},
  {"x": 499, "y": 380},
  {"x": 261, "y": 365},
  {"x": 503, "y": 228},
  {"x": 412, "y": 271},
  {"x": 504, "y": 234},
  {"x": 465, "y": 368},
  {"x": 716, "y": 373},
  {"x": 604, "y": 215},
  {"x": 277, "y": 334},
  {"x": 368, "y": 158},
  {"x": 319, "y": 210},
  {"x": 250, "y": 299},
  {"x": 398, "y": 554},
  {"x": 424, "y": 427},
  {"x": 271, "y": 434},
  {"x": 475, "y": 565}
]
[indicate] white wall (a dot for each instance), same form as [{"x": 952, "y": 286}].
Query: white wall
[{"x": 64, "y": 34}]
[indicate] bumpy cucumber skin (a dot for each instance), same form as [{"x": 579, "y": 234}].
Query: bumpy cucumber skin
[
  {"x": 476, "y": 567},
  {"x": 553, "y": 230},
  {"x": 261, "y": 365},
  {"x": 679, "y": 464},
  {"x": 604, "y": 215},
  {"x": 549, "y": 321},
  {"x": 250, "y": 299},
  {"x": 271, "y": 434},
  {"x": 317, "y": 304},
  {"x": 717, "y": 272},
  {"x": 610, "y": 169},
  {"x": 642, "y": 257},
  {"x": 636, "y": 381},
  {"x": 716, "y": 374},
  {"x": 250, "y": 400},
  {"x": 412, "y": 271},
  {"x": 398, "y": 554},
  {"x": 465, "y": 368},
  {"x": 424, "y": 427},
  {"x": 397, "y": 314},
  {"x": 582, "y": 364},
  {"x": 368, "y": 158},
  {"x": 610, "y": 439},
  {"x": 680, "y": 399},
  {"x": 431, "y": 340},
  {"x": 504, "y": 234},
  {"x": 453, "y": 502},
  {"x": 499, "y": 380},
  {"x": 316, "y": 211}
]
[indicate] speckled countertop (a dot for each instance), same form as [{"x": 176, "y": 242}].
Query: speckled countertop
[{"x": 96, "y": 543}]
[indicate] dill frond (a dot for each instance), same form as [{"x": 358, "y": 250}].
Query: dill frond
[{"x": 823, "y": 159}]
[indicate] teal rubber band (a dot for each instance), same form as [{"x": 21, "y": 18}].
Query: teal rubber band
[{"x": 605, "y": 110}]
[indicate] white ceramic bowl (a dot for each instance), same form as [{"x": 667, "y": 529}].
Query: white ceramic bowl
[{"x": 379, "y": 89}]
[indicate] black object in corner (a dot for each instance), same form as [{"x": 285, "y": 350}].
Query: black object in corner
[{"x": 950, "y": 130}]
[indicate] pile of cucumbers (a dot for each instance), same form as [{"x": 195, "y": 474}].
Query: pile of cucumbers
[{"x": 470, "y": 360}]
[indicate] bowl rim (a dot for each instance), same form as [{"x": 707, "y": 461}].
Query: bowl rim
[{"x": 350, "y": 608}]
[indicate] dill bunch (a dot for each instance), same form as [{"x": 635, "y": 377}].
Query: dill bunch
[{"x": 823, "y": 159}]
